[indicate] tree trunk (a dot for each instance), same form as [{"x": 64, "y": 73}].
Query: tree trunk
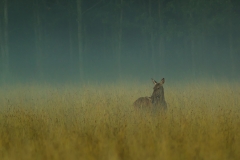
[
  {"x": 105, "y": 48},
  {"x": 4, "y": 42},
  {"x": 1, "y": 49},
  {"x": 6, "y": 35},
  {"x": 193, "y": 55},
  {"x": 80, "y": 39},
  {"x": 38, "y": 38},
  {"x": 1, "y": 41},
  {"x": 152, "y": 50},
  {"x": 230, "y": 40},
  {"x": 161, "y": 46},
  {"x": 119, "y": 52},
  {"x": 70, "y": 28},
  {"x": 192, "y": 49}
]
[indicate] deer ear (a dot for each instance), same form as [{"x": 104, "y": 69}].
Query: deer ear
[
  {"x": 154, "y": 82},
  {"x": 162, "y": 81}
]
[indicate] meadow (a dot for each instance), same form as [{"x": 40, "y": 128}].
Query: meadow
[{"x": 99, "y": 122}]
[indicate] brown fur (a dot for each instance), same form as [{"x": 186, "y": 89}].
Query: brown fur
[
  {"x": 156, "y": 101},
  {"x": 143, "y": 102}
]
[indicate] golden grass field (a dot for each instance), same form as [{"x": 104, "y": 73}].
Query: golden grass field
[{"x": 98, "y": 122}]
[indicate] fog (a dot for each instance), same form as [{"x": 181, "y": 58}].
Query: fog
[{"x": 106, "y": 41}]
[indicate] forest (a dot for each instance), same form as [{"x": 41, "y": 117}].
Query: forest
[{"x": 79, "y": 40}]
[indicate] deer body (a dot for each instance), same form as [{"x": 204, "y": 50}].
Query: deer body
[{"x": 156, "y": 101}]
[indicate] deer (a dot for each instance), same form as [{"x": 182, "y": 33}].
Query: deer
[{"x": 156, "y": 101}]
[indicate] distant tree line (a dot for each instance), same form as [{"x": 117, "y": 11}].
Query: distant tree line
[{"x": 200, "y": 31}]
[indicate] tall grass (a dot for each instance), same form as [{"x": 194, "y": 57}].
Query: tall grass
[{"x": 99, "y": 122}]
